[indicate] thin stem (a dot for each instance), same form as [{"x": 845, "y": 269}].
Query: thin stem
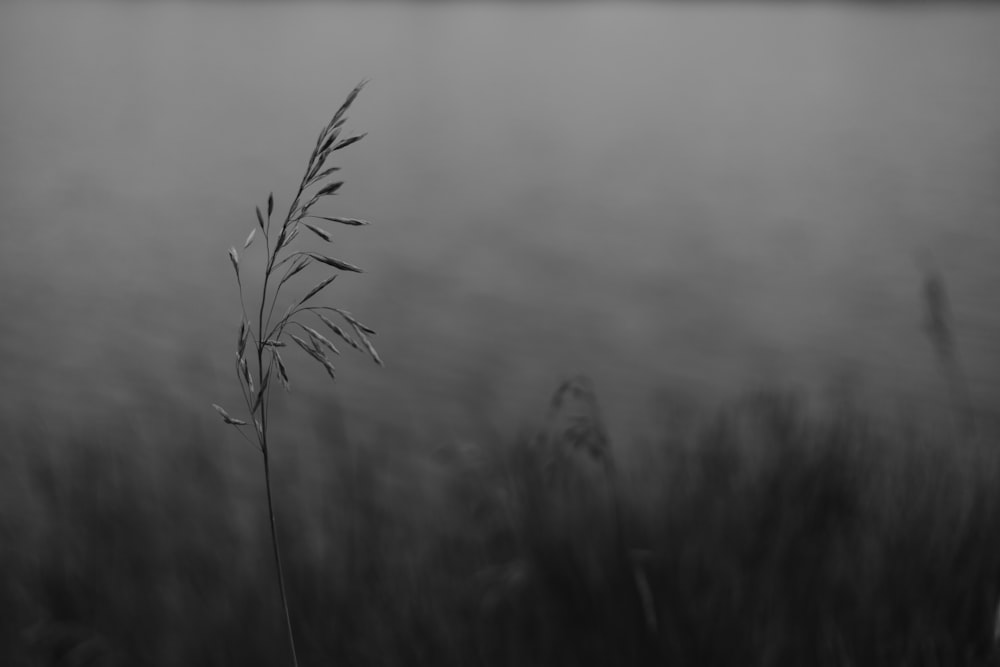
[
  {"x": 279, "y": 328},
  {"x": 246, "y": 400},
  {"x": 267, "y": 235},
  {"x": 252, "y": 443},
  {"x": 272, "y": 258},
  {"x": 266, "y": 454},
  {"x": 290, "y": 257},
  {"x": 264, "y": 332},
  {"x": 274, "y": 299},
  {"x": 243, "y": 307},
  {"x": 277, "y": 550}
]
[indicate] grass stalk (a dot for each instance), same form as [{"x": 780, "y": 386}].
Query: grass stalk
[
  {"x": 268, "y": 338},
  {"x": 279, "y": 572},
  {"x": 940, "y": 330}
]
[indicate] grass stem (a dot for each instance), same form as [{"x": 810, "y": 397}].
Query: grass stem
[
  {"x": 268, "y": 339},
  {"x": 277, "y": 557}
]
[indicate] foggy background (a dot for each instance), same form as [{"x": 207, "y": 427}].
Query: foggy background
[
  {"x": 693, "y": 198},
  {"x": 687, "y": 202}
]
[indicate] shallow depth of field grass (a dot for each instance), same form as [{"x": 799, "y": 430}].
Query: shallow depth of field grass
[{"x": 754, "y": 534}]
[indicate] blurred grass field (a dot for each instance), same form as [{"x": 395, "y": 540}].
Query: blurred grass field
[
  {"x": 760, "y": 532},
  {"x": 743, "y": 210}
]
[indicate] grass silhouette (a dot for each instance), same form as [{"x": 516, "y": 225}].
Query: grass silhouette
[{"x": 266, "y": 336}]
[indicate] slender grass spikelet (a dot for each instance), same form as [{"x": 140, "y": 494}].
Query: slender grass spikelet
[{"x": 267, "y": 334}]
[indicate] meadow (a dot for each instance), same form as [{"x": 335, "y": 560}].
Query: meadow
[
  {"x": 722, "y": 217},
  {"x": 756, "y": 534}
]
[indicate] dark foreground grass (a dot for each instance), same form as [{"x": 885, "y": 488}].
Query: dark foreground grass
[{"x": 756, "y": 535}]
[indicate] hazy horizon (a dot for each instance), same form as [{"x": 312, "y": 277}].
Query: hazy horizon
[{"x": 667, "y": 197}]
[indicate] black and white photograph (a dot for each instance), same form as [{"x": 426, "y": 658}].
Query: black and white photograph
[{"x": 499, "y": 333}]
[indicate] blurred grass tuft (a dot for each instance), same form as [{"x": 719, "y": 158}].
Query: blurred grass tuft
[{"x": 761, "y": 535}]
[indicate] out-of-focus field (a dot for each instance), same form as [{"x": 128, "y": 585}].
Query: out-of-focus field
[
  {"x": 697, "y": 198},
  {"x": 759, "y": 535},
  {"x": 685, "y": 203}
]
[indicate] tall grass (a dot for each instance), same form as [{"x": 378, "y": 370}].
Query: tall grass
[
  {"x": 940, "y": 329},
  {"x": 267, "y": 335},
  {"x": 761, "y": 534},
  {"x": 757, "y": 534}
]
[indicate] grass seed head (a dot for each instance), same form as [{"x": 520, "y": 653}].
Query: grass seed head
[
  {"x": 322, "y": 233},
  {"x": 355, "y": 222}
]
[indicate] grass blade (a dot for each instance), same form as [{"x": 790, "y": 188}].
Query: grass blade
[
  {"x": 282, "y": 372},
  {"x": 319, "y": 339},
  {"x": 351, "y": 140},
  {"x": 226, "y": 418},
  {"x": 367, "y": 343},
  {"x": 301, "y": 263},
  {"x": 241, "y": 342},
  {"x": 340, "y": 332},
  {"x": 330, "y": 189},
  {"x": 310, "y": 349},
  {"x": 336, "y": 263},
  {"x": 260, "y": 394},
  {"x": 317, "y": 355},
  {"x": 343, "y": 221},
  {"x": 322, "y": 233},
  {"x": 319, "y": 177},
  {"x": 347, "y": 104},
  {"x": 316, "y": 290},
  {"x": 353, "y": 322},
  {"x": 245, "y": 370}
]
